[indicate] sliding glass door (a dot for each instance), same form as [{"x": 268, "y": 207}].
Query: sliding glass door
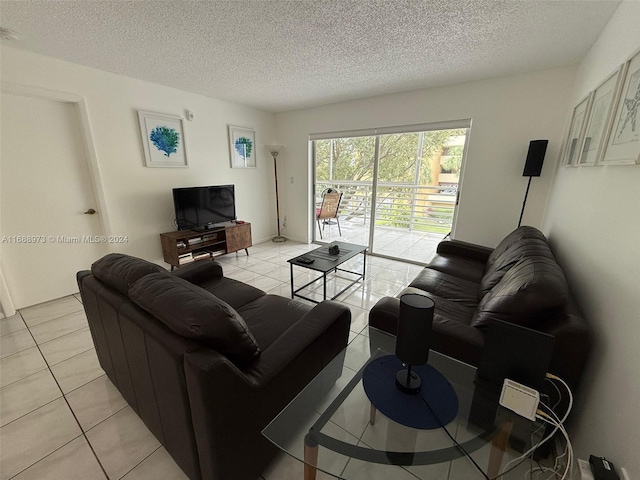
[{"x": 399, "y": 188}]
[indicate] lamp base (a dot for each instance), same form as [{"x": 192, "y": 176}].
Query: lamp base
[
  {"x": 408, "y": 381},
  {"x": 279, "y": 239}
]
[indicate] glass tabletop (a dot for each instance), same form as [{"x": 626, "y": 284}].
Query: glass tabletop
[{"x": 333, "y": 426}]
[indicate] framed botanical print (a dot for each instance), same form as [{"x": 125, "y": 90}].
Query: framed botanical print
[
  {"x": 600, "y": 118},
  {"x": 242, "y": 147},
  {"x": 163, "y": 139},
  {"x": 576, "y": 131},
  {"x": 623, "y": 144}
]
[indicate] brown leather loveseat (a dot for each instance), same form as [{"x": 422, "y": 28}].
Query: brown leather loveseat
[
  {"x": 206, "y": 361},
  {"x": 519, "y": 281}
]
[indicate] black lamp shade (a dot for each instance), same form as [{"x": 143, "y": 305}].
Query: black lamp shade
[
  {"x": 535, "y": 157},
  {"x": 414, "y": 329}
]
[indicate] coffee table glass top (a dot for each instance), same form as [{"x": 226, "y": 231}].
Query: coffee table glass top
[{"x": 334, "y": 420}]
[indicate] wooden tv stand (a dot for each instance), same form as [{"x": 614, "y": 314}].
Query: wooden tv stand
[{"x": 185, "y": 246}]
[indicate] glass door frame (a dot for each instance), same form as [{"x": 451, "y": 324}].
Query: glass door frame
[{"x": 464, "y": 124}]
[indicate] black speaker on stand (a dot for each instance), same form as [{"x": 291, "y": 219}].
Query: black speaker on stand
[
  {"x": 414, "y": 338},
  {"x": 533, "y": 166}
]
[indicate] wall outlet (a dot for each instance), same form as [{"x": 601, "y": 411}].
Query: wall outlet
[
  {"x": 585, "y": 470},
  {"x": 291, "y": 178},
  {"x": 284, "y": 222},
  {"x": 624, "y": 475}
]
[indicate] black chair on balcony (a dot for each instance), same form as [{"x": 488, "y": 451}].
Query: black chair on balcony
[{"x": 329, "y": 209}]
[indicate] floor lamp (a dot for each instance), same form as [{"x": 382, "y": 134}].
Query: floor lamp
[
  {"x": 274, "y": 150},
  {"x": 533, "y": 166}
]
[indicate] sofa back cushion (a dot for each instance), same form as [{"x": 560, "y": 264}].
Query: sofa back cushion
[
  {"x": 194, "y": 313},
  {"x": 531, "y": 288},
  {"x": 515, "y": 237},
  {"x": 501, "y": 264},
  {"x": 120, "y": 271}
]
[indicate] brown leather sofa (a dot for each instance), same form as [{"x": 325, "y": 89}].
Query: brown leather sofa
[
  {"x": 519, "y": 281},
  {"x": 206, "y": 361}
]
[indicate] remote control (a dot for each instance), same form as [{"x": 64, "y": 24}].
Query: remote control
[{"x": 306, "y": 260}]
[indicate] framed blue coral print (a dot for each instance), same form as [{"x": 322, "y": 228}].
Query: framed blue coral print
[
  {"x": 242, "y": 147},
  {"x": 163, "y": 139}
]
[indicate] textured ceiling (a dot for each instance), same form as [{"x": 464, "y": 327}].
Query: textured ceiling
[{"x": 283, "y": 55}]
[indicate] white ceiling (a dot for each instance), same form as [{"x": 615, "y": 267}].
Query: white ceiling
[{"x": 283, "y": 55}]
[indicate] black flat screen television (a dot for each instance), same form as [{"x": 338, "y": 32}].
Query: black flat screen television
[{"x": 200, "y": 208}]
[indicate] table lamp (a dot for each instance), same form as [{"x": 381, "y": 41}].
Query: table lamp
[{"x": 414, "y": 338}]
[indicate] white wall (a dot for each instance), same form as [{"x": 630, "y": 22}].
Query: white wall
[
  {"x": 593, "y": 225},
  {"x": 506, "y": 112},
  {"x": 138, "y": 199}
]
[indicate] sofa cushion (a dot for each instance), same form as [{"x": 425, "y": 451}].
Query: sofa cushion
[
  {"x": 525, "y": 248},
  {"x": 267, "y": 327},
  {"x": 235, "y": 293},
  {"x": 192, "y": 312},
  {"x": 458, "y": 266},
  {"x": 120, "y": 271},
  {"x": 451, "y": 287},
  {"x": 530, "y": 289},
  {"x": 445, "y": 310},
  {"x": 515, "y": 237}
]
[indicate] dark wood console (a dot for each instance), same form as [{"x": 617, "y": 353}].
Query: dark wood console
[{"x": 185, "y": 246}]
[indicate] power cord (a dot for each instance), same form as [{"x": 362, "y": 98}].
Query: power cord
[{"x": 557, "y": 424}]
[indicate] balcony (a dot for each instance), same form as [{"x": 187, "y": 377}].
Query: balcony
[{"x": 410, "y": 220}]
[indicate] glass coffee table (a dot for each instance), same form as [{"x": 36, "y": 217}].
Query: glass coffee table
[{"x": 333, "y": 427}]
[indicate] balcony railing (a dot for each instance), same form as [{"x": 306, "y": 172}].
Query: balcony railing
[{"x": 402, "y": 206}]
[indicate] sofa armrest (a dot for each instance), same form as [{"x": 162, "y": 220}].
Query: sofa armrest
[
  {"x": 199, "y": 272},
  {"x": 230, "y": 406},
  {"x": 327, "y": 323},
  {"x": 464, "y": 249}
]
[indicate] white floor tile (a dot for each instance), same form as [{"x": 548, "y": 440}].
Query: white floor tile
[
  {"x": 358, "y": 353},
  {"x": 11, "y": 324},
  {"x": 49, "y": 310},
  {"x": 73, "y": 461},
  {"x": 70, "y": 345},
  {"x": 360, "y": 470},
  {"x": 359, "y": 318},
  {"x": 29, "y": 439},
  {"x": 21, "y": 365},
  {"x": 58, "y": 327},
  {"x": 360, "y": 296},
  {"x": 94, "y": 402},
  {"x": 121, "y": 442},
  {"x": 157, "y": 466},
  {"x": 77, "y": 371},
  {"x": 27, "y": 395},
  {"x": 15, "y": 342},
  {"x": 266, "y": 283}
]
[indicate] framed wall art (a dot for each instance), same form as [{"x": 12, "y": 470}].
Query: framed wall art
[
  {"x": 576, "y": 131},
  {"x": 600, "y": 118},
  {"x": 163, "y": 139},
  {"x": 242, "y": 147},
  {"x": 623, "y": 144}
]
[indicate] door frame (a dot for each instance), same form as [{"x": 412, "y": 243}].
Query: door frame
[
  {"x": 80, "y": 105},
  {"x": 465, "y": 123}
]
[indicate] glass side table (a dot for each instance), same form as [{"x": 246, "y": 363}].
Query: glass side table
[{"x": 333, "y": 428}]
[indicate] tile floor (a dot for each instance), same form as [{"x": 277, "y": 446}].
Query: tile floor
[
  {"x": 411, "y": 245},
  {"x": 60, "y": 416}
]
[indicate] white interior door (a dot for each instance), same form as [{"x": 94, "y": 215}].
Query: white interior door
[{"x": 45, "y": 190}]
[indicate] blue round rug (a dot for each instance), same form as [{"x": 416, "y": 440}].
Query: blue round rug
[{"x": 435, "y": 405}]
